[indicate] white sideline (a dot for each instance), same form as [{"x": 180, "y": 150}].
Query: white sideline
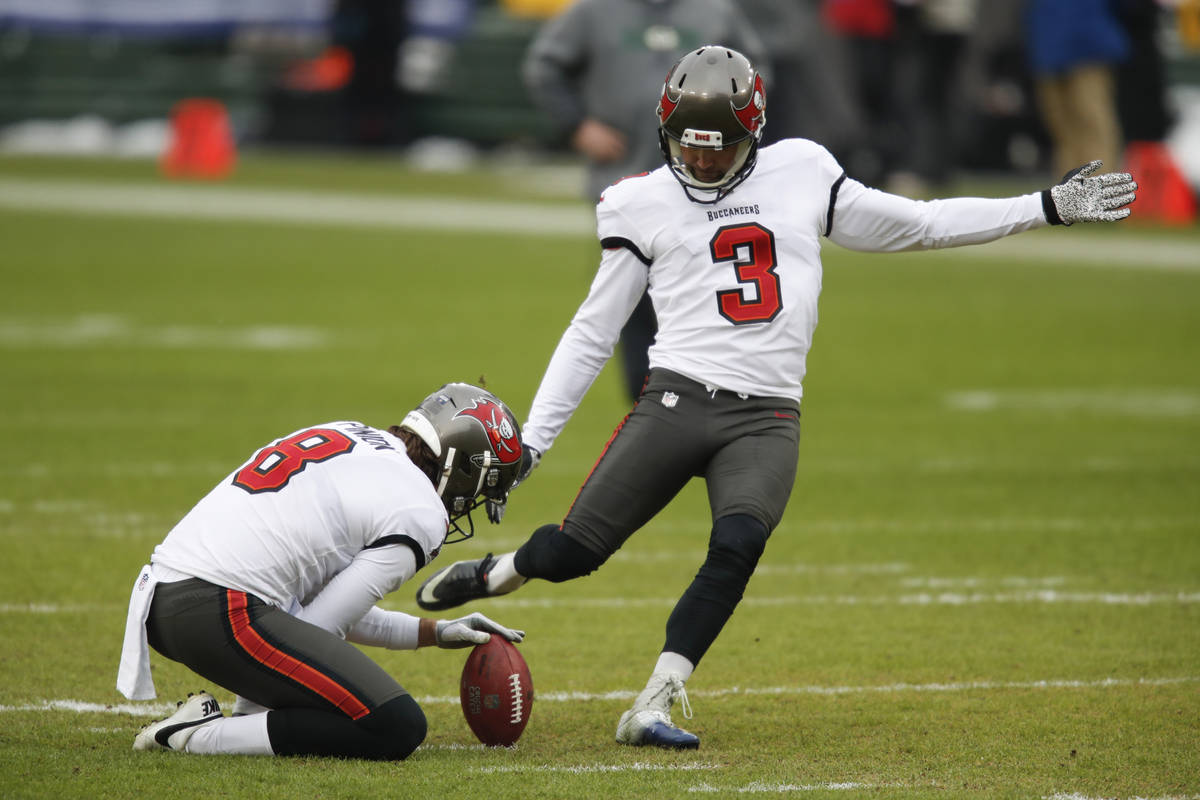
[
  {"x": 201, "y": 203},
  {"x": 637, "y": 766},
  {"x": 342, "y": 209},
  {"x": 159, "y": 709},
  {"x": 1042, "y": 596},
  {"x": 1039, "y": 596},
  {"x": 1077, "y": 796},
  {"x": 758, "y": 787}
]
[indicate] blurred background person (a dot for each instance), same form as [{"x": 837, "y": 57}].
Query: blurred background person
[
  {"x": 596, "y": 69},
  {"x": 1146, "y": 119},
  {"x": 867, "y": 31},
  {"x": 813, "y": 101},
  {"x": 933, "y": 38},
  {"x": 1074, "y": 47}
]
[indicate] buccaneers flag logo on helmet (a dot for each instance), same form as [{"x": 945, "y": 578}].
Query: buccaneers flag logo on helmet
[{"x": 501, "y": 433}]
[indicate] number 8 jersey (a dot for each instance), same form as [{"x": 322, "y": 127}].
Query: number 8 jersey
[
  {"x": 735, "y": 283},
  {"x": 285, "y": 523}
]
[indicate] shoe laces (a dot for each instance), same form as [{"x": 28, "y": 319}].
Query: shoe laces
[
  {"x": 680, "y": 693},
  {"x": 663, "y": 696}
]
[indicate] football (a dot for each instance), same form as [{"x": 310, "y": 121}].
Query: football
[{"x": 496, "y": 692}]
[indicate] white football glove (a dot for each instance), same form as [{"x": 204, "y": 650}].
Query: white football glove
[
  {"x": 530, "y": 458},
  {"x": 1082, "y": 198},
  {"x": 470, "y": 630}
]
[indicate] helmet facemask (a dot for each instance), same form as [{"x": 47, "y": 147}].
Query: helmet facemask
[
  {"x": 743, "y": 163},
  {"x": 461, "y": 474}
]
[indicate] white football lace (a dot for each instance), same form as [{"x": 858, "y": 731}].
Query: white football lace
[{"x": 518, "y": 698}]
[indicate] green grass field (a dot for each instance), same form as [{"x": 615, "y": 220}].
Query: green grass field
[{"x": 987, "y": 584}]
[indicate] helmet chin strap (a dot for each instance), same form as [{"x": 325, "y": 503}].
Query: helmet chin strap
[
  {"x": 718, "y": 193},
  {"x": 695, "y": 189}
]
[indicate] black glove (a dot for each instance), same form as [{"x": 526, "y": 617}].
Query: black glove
[
  {"x": 530, "y": 458},
  {"x": 1082, "y": 198}
]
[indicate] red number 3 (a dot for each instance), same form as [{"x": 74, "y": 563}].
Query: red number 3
[
  {"x": 751, "y": 248},
  {"x": 273, "y": 466}
]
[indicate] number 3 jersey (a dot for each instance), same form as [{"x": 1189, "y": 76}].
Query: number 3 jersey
[
  {"x": 297, "y": 514},
  {"x": 735, "y": 283}
]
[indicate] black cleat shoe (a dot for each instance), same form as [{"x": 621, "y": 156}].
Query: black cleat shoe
[{"x": 461, "y": 582}]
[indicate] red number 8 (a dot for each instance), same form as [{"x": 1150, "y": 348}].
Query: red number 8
[{"x": 274, "y": 465}]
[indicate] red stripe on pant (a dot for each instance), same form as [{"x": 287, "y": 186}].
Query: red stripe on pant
[
  {"x": 607, "y": 445},
  {"x": 275, "y": 659}
]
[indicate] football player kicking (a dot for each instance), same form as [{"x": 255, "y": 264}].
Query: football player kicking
[
  {"x": 263, "y": 584},
  {"x": 727, "y": 238}
]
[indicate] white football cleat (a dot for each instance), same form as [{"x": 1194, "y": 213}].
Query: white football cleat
[
  {"x": 173, "y": 732},
  {"x": 648, "y": 723}
]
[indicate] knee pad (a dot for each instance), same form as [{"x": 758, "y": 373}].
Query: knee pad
[
  {"x": 399, "y": 726},
  {"x": 736, "y": 544},
  {"x": 554, "y": 556}
]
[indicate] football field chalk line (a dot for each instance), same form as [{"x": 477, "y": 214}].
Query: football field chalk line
[
  {"x": 159, "y": 709},
  {"x": 758, "y": 787},
  {"x": 114, "y": 330},
  {"x": 202, "y": 203},
  {"x": 583, "y": 769},
  {"x": 942, "y": 598},
  {"x": 1077, "y": 796},
  {"x": 1043, "y": 596}
]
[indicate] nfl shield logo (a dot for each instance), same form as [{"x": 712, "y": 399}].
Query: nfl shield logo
[{"x": 669, "y": 399}]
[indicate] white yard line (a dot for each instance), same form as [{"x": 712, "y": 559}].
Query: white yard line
[
  {"x": 760, "y": 787},
  {"x": 1036, "y": 596},
  {"x": 1078, "y": 796},
  {"x": 177, "y": 201},
  {"x": 202, "y": 203},
  {"x": 1131, "y": 402},
  {"x": 160, "y": 709},
  {"x": 583, "y": 769},
  {"x": 944, "y": 598},
  {"x": 114, "y": 330},
  {"x": 895, "y": 688}
]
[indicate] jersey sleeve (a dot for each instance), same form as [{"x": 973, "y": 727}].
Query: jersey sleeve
[
  {"x": 350, "y": 594},
  {"x": 862, "y": 218},
  {"x": 394, "y": 630},
  {"x": 389, "y": 501},
  {"x": 420, "y": 528},
  {"x": 587, "y": 344},
  {"x": 621, "y": 221}
]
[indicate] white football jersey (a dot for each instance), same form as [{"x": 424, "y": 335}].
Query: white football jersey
[
  {"x": 735, "y": 284},
  {"x": 285, "y": 523}
]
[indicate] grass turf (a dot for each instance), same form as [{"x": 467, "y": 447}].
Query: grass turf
[{"x": 985, "y": 587}]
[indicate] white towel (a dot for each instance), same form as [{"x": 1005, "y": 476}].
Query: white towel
[{"x": 133, "y": 677}]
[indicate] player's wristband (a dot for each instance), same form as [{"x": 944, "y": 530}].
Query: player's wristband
[{"x": 1049, "y": 209}]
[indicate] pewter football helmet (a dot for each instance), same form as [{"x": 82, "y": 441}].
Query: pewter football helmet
[
  {"x": 477, "y": 442},
  {"x": 713, "y": 98}
]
